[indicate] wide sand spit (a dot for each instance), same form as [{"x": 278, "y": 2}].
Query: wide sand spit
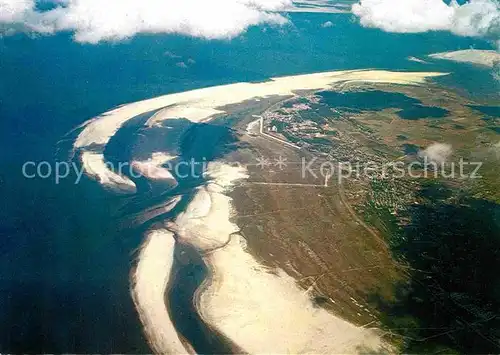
[
  {"x": 259, "y": 309},
  {"x": 149, "y": 282},
  {"x": 203, "y": 104}
]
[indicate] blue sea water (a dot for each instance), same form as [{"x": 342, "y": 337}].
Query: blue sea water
[{"x": 64, "y": 263}]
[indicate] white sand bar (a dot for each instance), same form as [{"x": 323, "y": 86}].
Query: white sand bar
[
  {"x": 262, "y": 312},
  {"x": 202, "y": 104},
  {"x": 205, "y": 222},
  {"x": 95, "y": 167},
  {"x": 153, "y": 168},
  {"x": 486, "y": 58},
  {"x": 149, "y": 283}
]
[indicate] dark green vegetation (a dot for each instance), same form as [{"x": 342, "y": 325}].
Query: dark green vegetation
[
  {"x": 451, "y": 299},
  {"x": 445, "y": 239},
  {"x": 376, "y": 100}
]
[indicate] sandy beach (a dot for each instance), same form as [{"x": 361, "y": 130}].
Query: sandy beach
[
  {"x": 203, "y": 104},
  {"x": 153, "y": 167},
  {"x": 95, "y": 167},
  {"x": 255, "y": 306},
  {"x": 250, "y": 304},
  {"x": 205, "y": 223},
  {"x": 487, "y": 58},
  {"x": 149, "y": 282}
]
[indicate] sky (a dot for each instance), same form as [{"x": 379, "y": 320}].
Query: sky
[{"x": 93, "y": 21}]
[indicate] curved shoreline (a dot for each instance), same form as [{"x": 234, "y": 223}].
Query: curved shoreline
[
  {"x": 95, "y": 167},
  {"x": 250, "y": 304},
  {"x": 486, "y": 58},
  {"x": 153, "y": 168},
  {"x": 240, "y": 299},
  {"x": 203, "y": 104},
  {"x": 149, "y": 280},
  {"x": 147, "y": 291},
  {"x": 191, "y": 272}
]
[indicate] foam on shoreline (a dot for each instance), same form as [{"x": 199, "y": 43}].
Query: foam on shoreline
[
  {"x": 486, "y": 58},
  {"x": 259, "y": 310},
  {"x": 202, "y": 104},
  {"x": 417, "y": 60}
]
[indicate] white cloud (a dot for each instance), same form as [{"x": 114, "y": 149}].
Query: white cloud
[
  {"x": 96, "y": 20},
  {"x": 437, "y": 153},
  {"x": 475, "y": 18},
  {"x": 14, "y": 10}
]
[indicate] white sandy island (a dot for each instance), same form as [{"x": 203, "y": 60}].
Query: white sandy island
[
  {"x": 149, "y": 282},
  {"x": 486, "y": 58},
  {"x": 259, "y": 310},
  {"x": 95, "y": 167},
  {"x": 203, "y": 104},
  {"x": 153, "y": 167}
]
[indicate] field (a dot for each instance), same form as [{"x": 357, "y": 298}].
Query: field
[{"x": 356, "y": 246}]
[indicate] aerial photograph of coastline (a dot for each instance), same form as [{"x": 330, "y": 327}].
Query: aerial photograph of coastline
[{"x": 250, "y": 177}]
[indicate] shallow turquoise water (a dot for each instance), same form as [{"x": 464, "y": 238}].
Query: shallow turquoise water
[{"x": 493, "y": 111}]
